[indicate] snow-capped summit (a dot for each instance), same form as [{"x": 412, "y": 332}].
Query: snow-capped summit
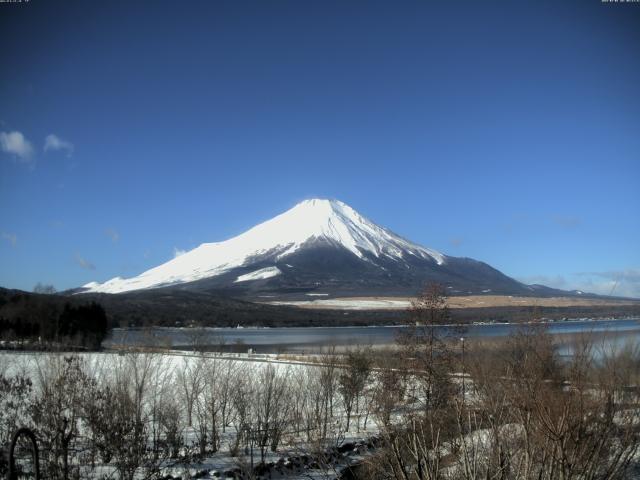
[
  {"x": 333, "y": 221},
  {"x": 316, "y": 243},
  {"x": 312, "y": 220}
]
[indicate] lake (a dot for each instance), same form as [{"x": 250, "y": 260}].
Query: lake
[{"x": 269, "y": 340}]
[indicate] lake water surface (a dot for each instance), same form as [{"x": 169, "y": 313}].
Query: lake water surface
[{"x": 310, "y": 338}]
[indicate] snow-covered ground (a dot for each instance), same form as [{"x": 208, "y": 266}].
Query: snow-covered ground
[
  {"x": 350, "y": 303},
  {"x": 297, "y": 395},
  {"x": 167, "y": 374}
]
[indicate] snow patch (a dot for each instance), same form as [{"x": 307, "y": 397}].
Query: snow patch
[
  {"x": 349, "y": 304},
  {"x": 259, "y": 274}
]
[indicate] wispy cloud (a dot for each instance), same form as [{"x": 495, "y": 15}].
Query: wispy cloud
[
  {"x": 84, "y": 263},
  {"x": 12, "y": 238},
  {"x": 516, "y": 222},
  {"x": 16, "y": 144},
  {"x": 456, "y": 242},
  {"x": 112, "y": 234},
  {"x": 555, "y": 281},
  {"x": 628, "y": 275},
  {"x": 567, "y": 221},
  {"x": 522, "y": 222},
  {"x": 53, "y": 143},
  {"x": 178, "y": 252},
  {"x": 623, "y": 283}
]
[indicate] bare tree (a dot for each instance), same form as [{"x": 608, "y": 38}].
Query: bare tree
[
  {"x": 189, "y": 377},
  {"x": 16, "y": 393},
  {"x": 242, "y": 397},
  {"x": 424, "y": 349},
  {"x": 213, "y": 399},
  {"x": 119, "y": 432},
  {"x": 228, "y": 374},
  {"x": 170, "y": 427},
  {"x": 388, "y": 392},
  {"x": 353, "y": 380},
  {"x": 57, "y": 412},
  {"x": 535, "y": 417},
  {"x": 44, "y": 288},
  {"x": 272, "y": 407}
]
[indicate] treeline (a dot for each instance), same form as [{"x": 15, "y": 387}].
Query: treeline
[
  {"x": 174, "y": 307},
  {"x": 47, "y": 321},
  {"x": 170, "y": 307}
]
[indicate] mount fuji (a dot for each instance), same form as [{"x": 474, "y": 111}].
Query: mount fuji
[{"x": 318, "y": 247}]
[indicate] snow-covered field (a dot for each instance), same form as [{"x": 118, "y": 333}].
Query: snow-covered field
[
  {"x": 350, "y": 303},
  {"x": 256, "y": 391},
  {"x": 194, "y": 415}
]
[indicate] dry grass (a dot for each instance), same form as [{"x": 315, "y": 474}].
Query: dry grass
[{"x": 471, "y": 301}]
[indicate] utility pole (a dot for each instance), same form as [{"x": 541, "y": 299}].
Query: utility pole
[
  {"x": 249, "y": 441},
  {"x": 463, "y": 372}
]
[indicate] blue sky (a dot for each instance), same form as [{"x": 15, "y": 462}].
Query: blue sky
[{"x": 508, "y": 132}]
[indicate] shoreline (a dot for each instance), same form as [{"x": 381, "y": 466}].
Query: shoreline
[{"x": 397, "y": 325}]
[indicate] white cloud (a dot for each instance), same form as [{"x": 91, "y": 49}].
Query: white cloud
[
  {"x": 16, "y": 144},
  {"x": 53, "y": 142},
  {"x": 12, "y": 238},
  {"x": 112, "y": 234},
  {"x": 84, "y": 263},
  {"x": 177, "y": 252}
]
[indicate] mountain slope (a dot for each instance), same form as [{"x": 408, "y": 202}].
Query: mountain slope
[{"x": 321, "y": 246}]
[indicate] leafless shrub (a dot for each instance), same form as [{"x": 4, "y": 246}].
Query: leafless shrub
[
  {"x": 118, "y": 431},
  {"x": 352, "y": 381},
  {"x": 528, "y": 413},
  {"x": 15, "y": 405},
  {"x": 190, "y": 378},
  {"x": 57, "y": 411}
]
